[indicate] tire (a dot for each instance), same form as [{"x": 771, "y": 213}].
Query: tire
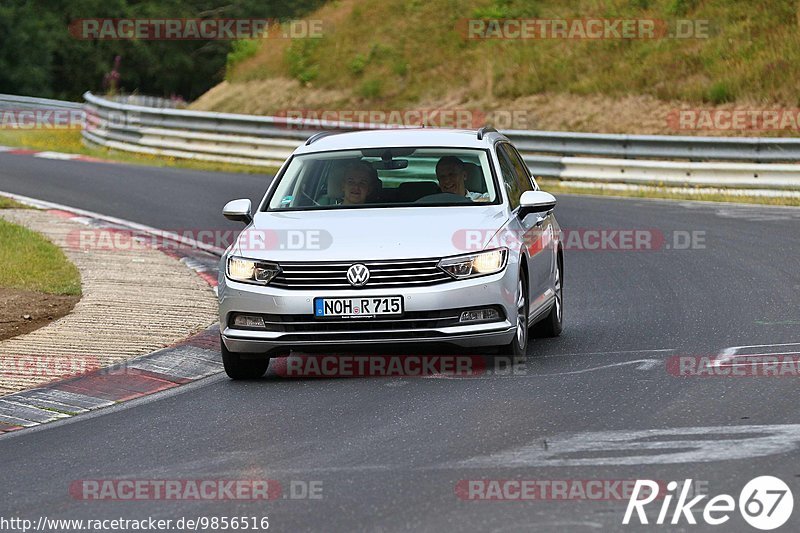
[
  {"x": 518, "y": 347},
  {"x": 553, "y": 323},
  {"x": 238, "y": 368}
]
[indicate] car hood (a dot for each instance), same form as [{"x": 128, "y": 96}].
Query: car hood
[{"x": 368, "y": 234}]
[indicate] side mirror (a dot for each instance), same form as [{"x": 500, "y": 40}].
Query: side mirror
[
  {"x": 238, "y": 211},
  {"x": 536, "y": 202}
]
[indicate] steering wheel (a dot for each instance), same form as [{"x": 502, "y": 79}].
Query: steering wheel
[{"x": 443, "y": 198}]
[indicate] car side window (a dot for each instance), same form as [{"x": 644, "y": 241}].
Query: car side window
[
  {"x": 515, "y": 177},
  {"x": 507, "y": 172},
  {"x": 527, "y": 181}
]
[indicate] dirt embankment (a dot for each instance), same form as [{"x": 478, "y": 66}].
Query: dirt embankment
[
  {"x": 25, "y": 311},
  {"x": 633, "y": 114}
]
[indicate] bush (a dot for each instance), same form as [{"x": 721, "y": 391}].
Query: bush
[
  {"x": 299, "y": 58},
  {"x": 370, "y": 89},
  {"x": 241, "y": 50},
  {"x": 358, "y": 64},
  {"x": 719, "y": 93},
  {"x": 679, "y": 8}
]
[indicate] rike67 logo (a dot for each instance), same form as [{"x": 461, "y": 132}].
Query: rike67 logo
[{"x": 765, "y": 503}]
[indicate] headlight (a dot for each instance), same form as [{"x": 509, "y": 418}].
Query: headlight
[
  {"x": 472, "y": 265},
  {"x": 251, "y": 270}
]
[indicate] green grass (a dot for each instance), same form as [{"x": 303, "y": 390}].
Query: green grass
[
  {"x": 31, "y": 262},
  {"x": 69, "y": 141},
  {"x": 8, "y": 203},
  {"x": 556, "y": 187},
  {"x": 400, "y": 52}
]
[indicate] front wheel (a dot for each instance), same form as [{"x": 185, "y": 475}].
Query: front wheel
[
  {"x": 553, "y": 323},
  {"x": 239, "y": 368},
  {"x": 518, "y": 347}
]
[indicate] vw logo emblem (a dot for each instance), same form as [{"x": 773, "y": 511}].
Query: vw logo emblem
[{"x": 358, "y": 275}]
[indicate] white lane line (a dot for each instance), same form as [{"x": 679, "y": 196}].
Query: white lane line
[
  {"x": 606, "y": 353},
  {"x": 603, "y": 448},
  {"x": 42, "y": 204},
  {"x": 57, "y": 155},
  {"x": 741, "y": 355},
  {"x": 733, "y": 352},
  {"x": 769, "y": 353},
  {"x": 736, "y": 348},
  {"x": 521, "y": 372},
  {"x": 638, "y": 447},
  {"x": 644, "y": 364}
]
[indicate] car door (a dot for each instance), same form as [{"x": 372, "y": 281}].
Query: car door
[{"x": 536, "y": 230}]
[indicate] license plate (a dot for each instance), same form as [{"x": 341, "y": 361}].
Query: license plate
[{"x": 366, "y": 307}]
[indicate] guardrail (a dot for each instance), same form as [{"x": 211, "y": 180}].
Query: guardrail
[
  {"x": 226, "y": 137},
  {"x": 9, "y": 101},
  {"x": 267, "y": 141},
  {"x": 741, "y": 162},
  {"x": 658, "y": 147},
  {"x": 149, "y": 101}
]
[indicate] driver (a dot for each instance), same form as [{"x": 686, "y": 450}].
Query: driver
[
  {"x": 452, "y": 176},
  {"x": 360, "y": 182}
]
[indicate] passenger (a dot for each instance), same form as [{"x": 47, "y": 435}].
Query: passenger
[
  {"x": 335, "y": 188},
  {"x": 360, "y": 183},
  {"x": 452, "y": 176}
]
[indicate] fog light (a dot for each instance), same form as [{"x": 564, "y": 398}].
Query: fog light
[
  {"x": 248, "y": 321},
  {"x": 479, "y": 315}
]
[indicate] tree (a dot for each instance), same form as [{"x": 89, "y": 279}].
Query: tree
[{"x": 39, "y": 56}]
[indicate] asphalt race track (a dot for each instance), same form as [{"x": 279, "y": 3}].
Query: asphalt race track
[{"x": 598, "y": 403}]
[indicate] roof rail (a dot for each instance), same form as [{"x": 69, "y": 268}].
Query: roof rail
[
  {"x": 484, "y": 130},
  {"x": 319, "y": 135}
]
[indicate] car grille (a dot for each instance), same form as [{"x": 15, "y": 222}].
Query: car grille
[
  {"x": 409, "y": 321},
  {"x": 416, "y": 324},
  {"x": 383, "y": 274}
]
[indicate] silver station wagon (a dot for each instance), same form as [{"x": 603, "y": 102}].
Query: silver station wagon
[{"x": 390, "y": 237}]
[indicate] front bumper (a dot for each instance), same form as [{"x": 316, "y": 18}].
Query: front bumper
[{"x": 495, "y": 290}]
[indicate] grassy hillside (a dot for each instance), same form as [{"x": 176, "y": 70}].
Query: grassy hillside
[{"x": 379, "y": 54}]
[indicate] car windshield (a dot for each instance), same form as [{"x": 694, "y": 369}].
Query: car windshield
[{"x": 385, "y": 177}]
